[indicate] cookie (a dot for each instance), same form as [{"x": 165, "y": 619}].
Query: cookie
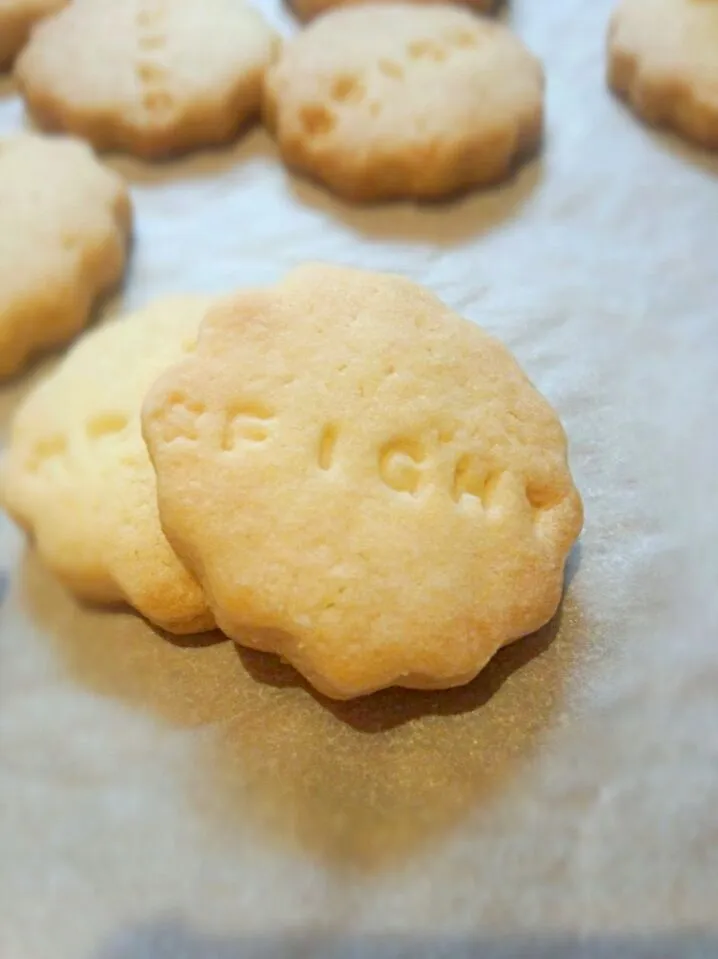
[
  {"x": 308, "y": 9},
  {"x": 389, "y": 100},
  {"x": 64, "y": 222},
  {"x": 663, "y": 59},
  {"x": 363, "y": 481},
  {"x": 150, "y": 77},
  {"x": 78, "y": 477}
]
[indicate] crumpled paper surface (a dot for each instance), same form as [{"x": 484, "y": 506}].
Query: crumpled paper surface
[{"x": 191, "y": 801}]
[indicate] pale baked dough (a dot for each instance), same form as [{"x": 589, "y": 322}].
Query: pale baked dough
[
  {"x": 78, "y": 477},
  {"x": 64, "y": 223},
  {"x": 663, "y": 58},
  {"x": 152, "y": 77},
  {"x": 389, "y": 100},
  {"x": 363, "y": 482}
]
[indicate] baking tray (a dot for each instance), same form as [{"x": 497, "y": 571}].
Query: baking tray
[{"x": 181, "y": 798}]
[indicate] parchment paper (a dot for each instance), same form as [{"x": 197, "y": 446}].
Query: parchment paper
[{"x": 181, "y": 800}]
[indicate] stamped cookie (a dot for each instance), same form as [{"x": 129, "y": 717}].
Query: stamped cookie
[
  {"x": 390, "y": 100},
  {"x": 152, "y": 77},
  {"x": 663, "y": 58},
  {"x": 364, "y": 482},
  {"x": 64, "y": 221},
  {"x": 78, "y": 477},
  {"x": 308, "y": 9},
  {"x": 17, "y": 18}
]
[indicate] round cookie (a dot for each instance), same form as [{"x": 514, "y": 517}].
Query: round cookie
[
  {"x": 78, "y": 477},
  {"x": 390, "y": 100},
  {"x": 663, "y": 58},
  {"x": 308, "y": 9},
  {"x": 17, "y": 18},
  {"x": 151, "y": 77},
  {"x": 64, "y": 222},
  {"x": 364, "y": 482}
]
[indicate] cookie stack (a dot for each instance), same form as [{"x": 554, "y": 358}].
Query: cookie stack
[{"x": 337, "y": 469}]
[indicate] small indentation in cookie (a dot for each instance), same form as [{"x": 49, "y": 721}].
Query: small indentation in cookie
[
  {"x": 469, "y": 478},
  {"x": 327, "y": 444},
  {"x": 375, "y": 108},
  {"x": 464, "y": 39},
  {"x": 189, "y": 344},
  {"x": 491, "y": 484},
  {"x": 106, "y": 424},
  {"x": 347, "y": 88},
  {"x": 400, "y": 465},
  {"x": 317, "y": 120},
  {"x": 149, "y": 72},
  {"x": 178, "y": 419},
  {"x": 148, "y": 15},
  {"x": 158, "y": 101},
  {"x": 69, "y": 240},
  {"x": 541, "y": 497},
  {"x": 447, "y": 433},
  {"x": 151, "y": 41},
  {"x": 390, "y": 68},
  {"x": 45, "y": 450},
  {"x": 426, "y": 50},
  {"x": 250, "y": 423},
  {"x": 145, "y": 18}
]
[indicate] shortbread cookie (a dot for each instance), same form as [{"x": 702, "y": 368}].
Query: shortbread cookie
[
  {"x": 308, "y": 9},
  {"x": 389, "y": 100},
  {"x": 663, "y": 58},
  {"x": 152, "y": 77},
  {"x": 16, "y": 20},
  {"x": 364, "y": 482},
  {"x": 64, "y": 221},
  {"x": 78, "y": 476}
]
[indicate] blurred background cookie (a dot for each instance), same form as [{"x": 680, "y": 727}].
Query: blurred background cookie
[
  {"x": 389, "y": 100},
  {"x": 663, "y": 58},
  {"x": 78, "y": 477},
  {"x": 64, "y": 224},
  {"x": 150, "y": 77}
]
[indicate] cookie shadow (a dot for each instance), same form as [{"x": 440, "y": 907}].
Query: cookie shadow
[
  {"x": 444, "y": 223},
  {"x": 496, "y": 8},
  {"x": 252, "y": 144},
  {"x": 389, "y": 708},
  {"x": 360, "y": 785}
]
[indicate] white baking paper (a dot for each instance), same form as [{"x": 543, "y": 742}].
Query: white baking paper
[{"x": 182, "y": 800}]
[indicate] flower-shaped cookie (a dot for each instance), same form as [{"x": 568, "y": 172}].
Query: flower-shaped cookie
[
  {"x": 64, "y": 222},
  {"x": 152, "y": 77},
  {"x": 363, "y": 482},
  {"x": 386, "y": 100},
  {"x": 663, "y": 58}
]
